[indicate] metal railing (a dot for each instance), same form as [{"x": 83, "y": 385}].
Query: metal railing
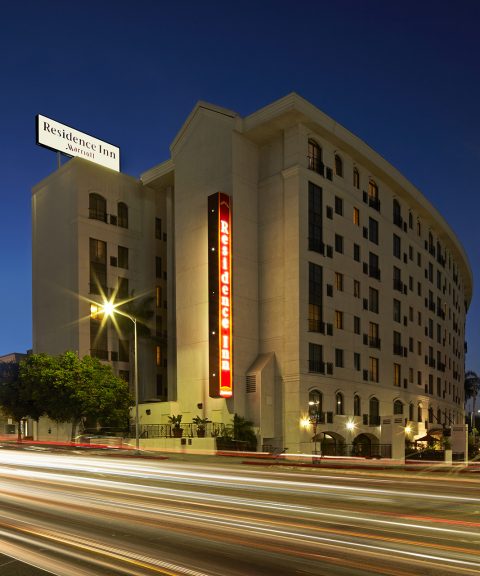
[{"x": 189, "y": 430}]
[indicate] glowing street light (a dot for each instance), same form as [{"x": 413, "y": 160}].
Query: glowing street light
[{"x": 109, "y": 309}]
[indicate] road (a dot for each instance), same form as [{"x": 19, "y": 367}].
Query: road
[{"x": 80, "y": 515}]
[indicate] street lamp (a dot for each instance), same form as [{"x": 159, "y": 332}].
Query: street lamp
[{"x": 109, "y": 309}]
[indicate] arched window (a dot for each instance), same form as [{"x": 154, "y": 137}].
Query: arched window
[
  {"x": 356, "y": 178},
  {"x": 374, "y": 407},
  {"x": 97, "y": 206},
  {"x": 357, "y": 405},
  {"x": 430, "y": 415},
  {"x": 339, "y": 408},
  {"x": 410, "y": 411},
  {"x": 122, "y": 211},
  {"x": 315, "y": 401},
  {"x": 315, "y": 157},
  {"x": 338, "y": 165},
  {"x": 398, "y": 407},
  {"x": 372, "y": 189},
  {"x": 439, "y": 416},
  {"x": 419, "y": 413}
]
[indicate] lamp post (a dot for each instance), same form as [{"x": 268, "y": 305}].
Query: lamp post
[{"x": 110, "y": 309}]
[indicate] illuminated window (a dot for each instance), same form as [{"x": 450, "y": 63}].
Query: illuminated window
[
  {"x": 372, "y": 190},
  {"x": 356, "y": 216},
  {"x": 373, "y": 371},
  {"x": 158, "y": 296},
  {"x": 356, "y": 178},
  {"x": 339, "y": 281},
  {"x": 339, "y": 407},
  {"x": 315, "y": 403},
  {"x": 315, "y": 297},
  {"x": 158, "y": 356},
  {"x": 397, "y": 381},
  {"x": 315, "y": 157},
  {"x": 339, "y": 319}
]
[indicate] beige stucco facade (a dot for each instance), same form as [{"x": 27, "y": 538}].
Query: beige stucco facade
[{"x": 411, "y": 360}]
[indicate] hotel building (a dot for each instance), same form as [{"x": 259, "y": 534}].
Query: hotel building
[{"x": 347, "y": 290}]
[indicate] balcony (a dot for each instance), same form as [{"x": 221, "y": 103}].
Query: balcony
[
  {"x": 316, "y": 165},
  {"x": 373, "y": 342},
  {"x": 374, "y": 272},
  {"x": 374, "y": 203},
  {"x": 398, "y": 285},
  {"x": 398, "y": 349},
  {"x": 398, "y": 220}
]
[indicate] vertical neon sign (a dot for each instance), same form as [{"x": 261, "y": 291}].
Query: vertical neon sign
[{"x": 220, "y": 296}]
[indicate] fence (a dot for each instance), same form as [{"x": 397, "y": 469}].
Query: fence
[{"x": 189, "y": 430}]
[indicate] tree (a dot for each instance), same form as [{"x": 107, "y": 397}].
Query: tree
[
  {"x": 472, "y": 389},
  {"x": 69, "y": 389},
  {"x": 16, "y": 397}
]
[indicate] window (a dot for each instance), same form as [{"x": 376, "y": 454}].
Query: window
[
  {"x": 397, "y": 381},
  {"x": 372, "y": 189},
  {"x": 339, "y": 407},
  {"x": 356, "y": 288},
  {"x": 339, "y": 243},
  {"x": 315, "y": 223},
  {"x": 122, "y": 288},
  {"x": 97, "y": 207},
  {"x": 158, "y": 228},
  {"x": 98, "y": 266},
  {"x": 357, "y": 405},
  {"x": 373, "y": 372},
  {"x": 374, "y": 408},
  {"x": 419, "y": 413},
  {"x": 158, "y": 296},
  {"x": 356, "y": 252},
  {"x": 419, "y": 347},
  {"x": 158, "y": 267},
  {"x": 356, "y": 216},
  {"x": 398, "y": 407},
  {"x": 356, "y": 361},
  {"x": 397, "y": 310},
  {"x": 158, "y": 355},
  {"x": 123, "y": 350},
  {"x": 373, "y": 230},
  {"x": 356, "y": 178},
  {"x": 373, "y": 268},
  {"x": 397, "y": 279},
  {"x": 315, "y": 403},
  {"x": 373, "y": 335},
  {"x": 356, "y": 324},
  {"x": 122, "y": 261},
  {"x": 339, "y": 319},
  {"x": 397, "y": 213},
  {"x": 338, "y": 357},
  {"x": 122, "y": 210},
  {"x": 419, "y": 378},
  {"x": 397, "y": 247},
  {"x": 410, "y": 378},
  {"x": 315, "y": 302},
  {"x": 98, "y": 340},
  {"x": 373, "y": 300},
  {"x": 315, "y": 157},
  {"x": 315, "y": 358},
  {"x": 338, "y": 205},
  {"x": 419, "y": 228},
  {"x": 339, "y": 281},
  {"x": 338, "y": 166}
]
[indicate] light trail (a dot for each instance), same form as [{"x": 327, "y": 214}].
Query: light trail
[{"x": 267, "y": 519}]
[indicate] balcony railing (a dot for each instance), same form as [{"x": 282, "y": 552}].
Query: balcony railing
[{"x": 316, "y": 165}]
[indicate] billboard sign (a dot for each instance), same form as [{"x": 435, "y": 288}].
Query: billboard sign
[{"x": 61, "y": 138}]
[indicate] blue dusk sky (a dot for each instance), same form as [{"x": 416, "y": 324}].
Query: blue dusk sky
[{"x": 403, "y": 76}]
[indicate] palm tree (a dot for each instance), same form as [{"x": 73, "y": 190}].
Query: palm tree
[{"x": 472, "y": 388}]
